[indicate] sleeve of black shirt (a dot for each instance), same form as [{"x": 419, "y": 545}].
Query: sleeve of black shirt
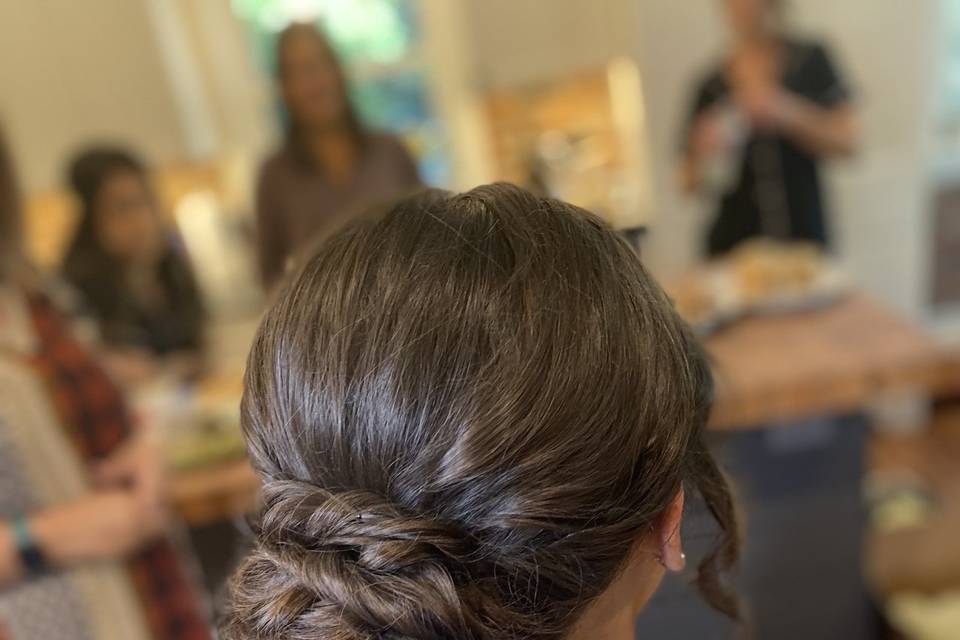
[{"x": 826, "y": 85}]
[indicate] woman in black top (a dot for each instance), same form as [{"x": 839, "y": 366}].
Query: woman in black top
[
  {"x": 130, "y": 267},
  {"x": 771, "y": 110}
]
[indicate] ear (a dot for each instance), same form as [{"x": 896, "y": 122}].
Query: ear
[{"x": 671, "y": 547}]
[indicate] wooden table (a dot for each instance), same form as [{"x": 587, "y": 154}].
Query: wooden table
[
  {"x": 777, "y": 368},
  {"x": 216, "y": 493},
  {"x": 220, "y": 491},
  {"x": 769, "y": 370},
  {"x": 924, "y": 558}
]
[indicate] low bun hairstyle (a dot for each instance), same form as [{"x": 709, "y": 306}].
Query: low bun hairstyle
[{"x": 466, "y": 412}]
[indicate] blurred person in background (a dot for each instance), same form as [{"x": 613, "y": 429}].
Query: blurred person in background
[
  {"x": 83, "y": 549},
  {"x": 329, "y": 165},
  {"x": 131, "y": 269},
  {"x": 760, "y": 125}
]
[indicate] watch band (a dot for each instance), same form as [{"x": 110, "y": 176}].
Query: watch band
[{"x": 31, "y": 556}]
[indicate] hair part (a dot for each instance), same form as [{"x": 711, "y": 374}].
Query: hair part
[{"x": 466, "y": 412}]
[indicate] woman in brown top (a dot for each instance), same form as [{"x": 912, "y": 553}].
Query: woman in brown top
[{"x": 329, "y": 165}]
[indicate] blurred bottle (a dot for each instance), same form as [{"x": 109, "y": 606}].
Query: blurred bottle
[{"x": 730, "y": 129}]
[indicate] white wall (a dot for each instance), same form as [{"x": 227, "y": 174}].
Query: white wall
[
  {"x": 521, "y": 42},
  {"x": 880, "y": 198},
  {"x": 72, "y": 72},
  {"x": 238, "y": 95},
  {"x": 173, "y": 78}
]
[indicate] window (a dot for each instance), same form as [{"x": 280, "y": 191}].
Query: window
[{"x": 949, "y": 99}]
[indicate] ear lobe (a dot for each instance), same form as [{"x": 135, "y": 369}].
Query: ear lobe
[{"x": 671, "y": 546}]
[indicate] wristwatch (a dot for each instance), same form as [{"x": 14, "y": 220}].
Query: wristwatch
[{"x": 31, "y": 556}]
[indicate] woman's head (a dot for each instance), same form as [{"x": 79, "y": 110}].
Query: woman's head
[
  {"x": 119, "y": 216},
  {"x": 753, "y": 18},
  {"x": 10, "y": 224},
  {"x": 474, "y": 417},
  {"x": 312, "y": 82}
]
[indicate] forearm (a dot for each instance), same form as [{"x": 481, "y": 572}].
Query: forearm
[
  {"x": 101, "y": 526},
  {"x": 61, "y": 546},
  {"x": 10, "y": 569},
  {"x": 186, "y": 365},
  {"x": 822, "y": 131}
]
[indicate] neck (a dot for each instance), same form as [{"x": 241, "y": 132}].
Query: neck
[
  {"x": 758, "y": 38},
  {"x": 613, "y": 614},
  {"x": 617, "y": 624},
  {"x": 335, "y": 152}
]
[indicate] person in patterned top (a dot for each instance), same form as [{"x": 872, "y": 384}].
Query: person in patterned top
[{"x": 84, "y": 546}]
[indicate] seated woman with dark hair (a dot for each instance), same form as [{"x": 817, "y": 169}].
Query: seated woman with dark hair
[
  {"x": 128, "y": 265},
  {"x": 476, "y": 417}
]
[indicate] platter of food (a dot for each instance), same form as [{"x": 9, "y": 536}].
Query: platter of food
[{"x": 761, "y": 277}]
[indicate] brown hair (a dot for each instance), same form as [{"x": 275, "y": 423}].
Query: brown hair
[
  {"x": 466, "y": 412},
  {"x": 11, "y": 232}
]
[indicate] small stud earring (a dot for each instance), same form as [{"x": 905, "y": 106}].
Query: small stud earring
[{"x": 683, "y": 559}]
